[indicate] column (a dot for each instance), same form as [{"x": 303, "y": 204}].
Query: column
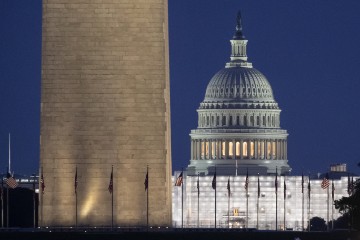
[
  {"x": 192, "y": 149},
  {"x": 256, "y": 149},
  {"x": 241, "y": 150}
]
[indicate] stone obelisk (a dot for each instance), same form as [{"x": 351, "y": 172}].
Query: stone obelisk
[{"x": 105, "y": 101}]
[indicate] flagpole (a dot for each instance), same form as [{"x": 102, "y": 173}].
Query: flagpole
[
  {"x": 112, "y": 198},
  {"x": 328, "y": 208},
  {"x": 2, "y": 201},
  {"x": 332, "y": 205},
  {"x": 198, "y": 187},
  {"x": 76, "y": 200},
  {"x": 276, "y": 201},
  {"x": 7, "y": 189},
  {"x": 257, "y": 207},
  {"x": 182, "y": 202},
  {"x": 284, "y": 204},
  {"x": 147, "y": 198},
  {"x": 215, "y": 201},
  {"x": 34, "y": 199},
  {"x": 309, "y": 193},
  {"x": 247, "y": 198},
  {"x": 302, "y": 208},
  {"x": 229, "y": 202}
]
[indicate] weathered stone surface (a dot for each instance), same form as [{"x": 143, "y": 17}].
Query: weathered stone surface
[{"x": 105, "y": 101}]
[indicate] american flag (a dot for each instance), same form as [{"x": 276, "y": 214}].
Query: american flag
[
  {"x": 11, "y": 181},
  {"x": 198, "y": 185},
  {"x": 146, "y": 183},
  {"x": 284, "y": 189},
  {"x": 276, "y": 183},
  {"x": 247, "y": 181},
  {"x": 42, "y": 182},
  {"x": 111, "y": 185},
  {"x": 76, "y": 181},
  {"x": 258, "y": 186},
  {"x": 179, "y": 180},
  {"x": 228, "y": 187},
  {"x": 213, "y": 184},
  {"x": 309, "y": 188},
  {"x": 325, "y": 182},
  {"x": 302, "y": 183}
]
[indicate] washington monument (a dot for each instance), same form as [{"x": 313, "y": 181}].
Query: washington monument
[{"x": 105, "y": 101}]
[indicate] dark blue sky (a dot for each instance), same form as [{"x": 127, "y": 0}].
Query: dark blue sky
[{"x": 309, "y": 51}]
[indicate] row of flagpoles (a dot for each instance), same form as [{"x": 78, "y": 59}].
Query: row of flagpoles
[
  {"x": 12, "y": 183},
  {"x": 325, "y": 184}
]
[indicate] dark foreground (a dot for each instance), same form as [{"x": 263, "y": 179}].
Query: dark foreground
[{"x": 172, "y": 234}]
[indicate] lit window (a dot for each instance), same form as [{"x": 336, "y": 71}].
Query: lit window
[
  {"x": 237, "y": 150},
  {"x": 245, "y": 149},
  {"x": 223, "y": 149},
  {"x": 252, "y": 150},
  {"x": 231, "y": 153}
]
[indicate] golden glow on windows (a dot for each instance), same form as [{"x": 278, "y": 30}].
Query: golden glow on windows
[
  {"x": 223, "y": 149},
  {"x": 245, "y": 149},
  {"x": 252, "y": 149},
  {"x": 237, "y": 149},
  {"x": 213, "y": 148},
  {"x": 268, "y": 152},
  {"x": 231, "y": 152},
  {"x": 274, "y": 149},
  {"x": 202, "y": 150},
  {"x": 207, "y": 149}
]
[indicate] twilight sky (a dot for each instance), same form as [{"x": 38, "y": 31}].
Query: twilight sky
[{"x": 308, "y": 50}]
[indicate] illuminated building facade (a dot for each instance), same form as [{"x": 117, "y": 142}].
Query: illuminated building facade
[
  {"x": 239, "y": 121},
  {"x": 105, "y": 102},
  {"x": 239, "y": 133}
]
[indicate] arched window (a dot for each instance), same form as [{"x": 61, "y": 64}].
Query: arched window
[
  {"x": 257, "y": 121},
  {"x": 237, "y": 120},
  {"x": 245, "y": 149},
  {"x": 213, "y": 148},
  {"x": 268, "y": 153},
  {"x": 223, "y": 120},
  {"x": 217, "y": 120},
  {"x": 207, "y": 150},
  {"x": 264, "y": 121},
  {"x": 223, "y": 149},
  {"x": 245, "y": 121},
  {"x": 252, "y": 149},
  {"x": 202, "y": 150},
  {"x": 237, "y": 149},
  {"x": 251, "y": 120},
  {"x": 230, "y": 121},
  {"x": 231, "y": 152}
]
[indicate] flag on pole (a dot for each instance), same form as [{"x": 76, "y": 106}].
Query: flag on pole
[
  {"x": 76, "y": 181},
  {"x": 332, "y": 190},
  {"x": 228, "y": 187},
  {"x": 146, "y": 183},
  {"x": 284, "y": 189},
  {"x": 258, "y": 187},
  {"x": 276, "y": 182},
  {"x": 111, "y": 183},
  {"x": 179, "y": 180},
  {"x": 247, "y": 181},
  {"x": 349, "y": 185},
  {"x": 42, "y": 182},
  {"x": 302, "y": 182},
  {"x": 11, "y": 181},
  {"x": 198, "y": 185},
  {"x": 213, "y": 184},
  {"x": 309, "y": 187},
  {"x": 325, "y": 182}
]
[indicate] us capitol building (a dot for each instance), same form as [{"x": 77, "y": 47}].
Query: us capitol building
[{"x": 239, "y": 135}]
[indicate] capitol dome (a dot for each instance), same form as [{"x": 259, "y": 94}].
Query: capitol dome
[
  {"x": 239, "y": 84},
  {"x": 238, "y": 121}
]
